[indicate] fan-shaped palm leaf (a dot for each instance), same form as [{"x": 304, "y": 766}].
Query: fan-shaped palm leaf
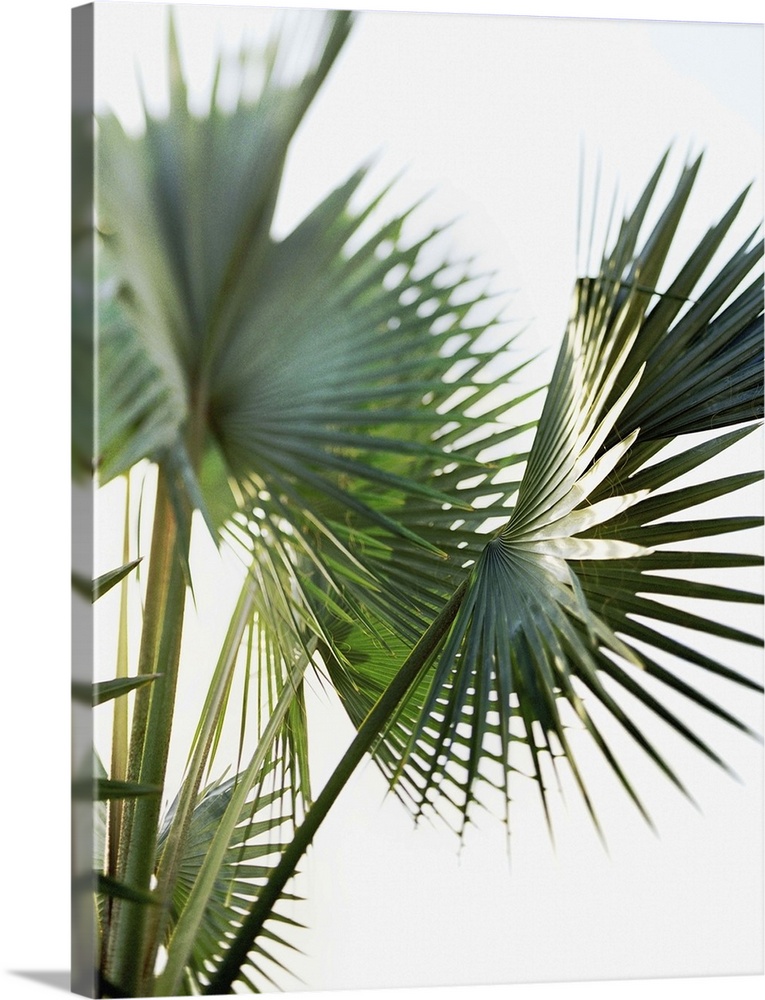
[
  {"x": 304, "y": 381},
  {"x": 550, "y": 606},
  {"x": 571, "y": 567}
]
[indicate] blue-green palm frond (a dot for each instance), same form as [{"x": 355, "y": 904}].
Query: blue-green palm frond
[
  {"x": 311, "y": 387},
  {"x": 266, "y": 822},
  {"x": 571, "y": 594}
]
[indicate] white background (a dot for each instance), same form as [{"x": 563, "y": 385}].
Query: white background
[{"x": 687, "y": 902}]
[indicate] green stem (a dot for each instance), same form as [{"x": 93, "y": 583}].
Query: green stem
[
  {"x": 162, "y": 538},
  {"x": 120, "y": 741},
  {"x": 153, "y": 716},
  {"x": 167, "y": 870},
  {"x": 160, "y": 564},
  {"x": 368, "y": 733},
  {"x": 118, "y": 769}
]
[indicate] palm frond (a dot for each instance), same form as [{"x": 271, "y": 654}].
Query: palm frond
[
  {"x": 312, "y": 377},
  {"x": 265, "y": 821},
  {"x": 97, "y": 588},
  {"x": 571, "y": 591},
  {"x": 138, "y": 415}
]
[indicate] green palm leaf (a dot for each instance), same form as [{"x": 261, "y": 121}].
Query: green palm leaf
[
  {"x": 97, "y": 588},
  {"x": 137, "y": 414},
  {"x": 572, "y": 589},
  {"x": 264, "y": 823},
  {"x": 310, "y": 376}
]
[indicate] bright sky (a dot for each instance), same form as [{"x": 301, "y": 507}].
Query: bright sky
[{"x": 491, "y": 113}]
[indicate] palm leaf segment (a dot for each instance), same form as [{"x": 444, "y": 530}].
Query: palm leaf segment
[
  {"x": 265, "y": 824},
  {"x": 572, "y": 593}
]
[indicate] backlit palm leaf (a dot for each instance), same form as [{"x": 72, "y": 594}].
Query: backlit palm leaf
[
  {"x": 306, "y": 380},
  {"x": 551, "y": 606},
  {"x": 265, "y": 822}
]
